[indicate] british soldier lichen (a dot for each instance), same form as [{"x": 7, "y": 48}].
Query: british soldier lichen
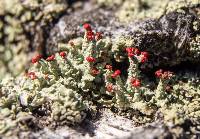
[{"x": 83, "y": 71}]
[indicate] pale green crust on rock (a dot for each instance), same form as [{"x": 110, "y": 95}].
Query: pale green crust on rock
[
  {"x": 133, "y": 10},
  {"x": 21, "y": 28}
]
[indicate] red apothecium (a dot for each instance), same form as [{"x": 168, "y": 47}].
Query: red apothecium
[
  {"x": 32, "y": 75},
  {"x": 135, "y": 82},
  {"x": 51, "y": 58},
  {"x": 109, "y": 87},
  {"x": 87, "y": 27},
  {"x": 98, "y": 36},
  {"x": 109, "y": 67},
  {"x": 90, "y": 59},
  {"x": 62, "y": 54},
  {"x": 36, "y": 58},
  {"x": 95, "y": 71},
  {"x": 159, "y": 73},
  {"x": 116, "y": 73}
]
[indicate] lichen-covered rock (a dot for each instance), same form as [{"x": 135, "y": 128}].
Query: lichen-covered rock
[
  {"x": 141, "y": 9},
  {"x": 107, "y": 71},
  {"x": 57, "y": 83},
  {"x": 109, "y": 3},
  {"x": 195, "y": 47},
  {"x": 21, "y": 101},
  {"x": 83, "y": 71},
  {"x": 69, "y": 26},
  {"x": 129, "y": 10},
  {"x": 170, "y": 39},
  {"x": 22, "y": 28},
  {"x": 67, "y": 107}
]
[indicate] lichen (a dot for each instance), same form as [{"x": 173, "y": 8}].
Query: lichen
[
  {"x": 133, "y": 10},
  {"x": 95, "y": 70},
  {"x": 179, "y": 5},
  {"x": 109, "y": 3},
  {"x": 20, "y": 28},
  {"x": 195, "y": 47},
  {"x": 141, "y": 9},
  {"x": 92, "y": 69}
]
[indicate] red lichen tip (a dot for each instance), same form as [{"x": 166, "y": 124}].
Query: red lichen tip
[
  {"x": 87, "y": 27},
  {"x": 163, "y": 74},
  {"x": 135, "y": 82},
  {"x": 98, "y": 36},
  {"x": 130, "y": 49},
  {"x": 146, "y": 54},
  {"x": 130, "y": 54},
  {"x": 167, "y": 75},
  {"x": 109, "y": 67},
  {"x": 36, "y": 58},
  {"x": 90, "y": 59},
  {"x": 90, "y": 35},
  {"x": 50, "y": 58},
  {"x": 32, "y": 75},
  {"x": 62, "y": 54},
  {"x": 95, "y": 71},
  {"x": 109, "y": 88},
  {"x": 159, "y": 73},
  {"x": 144, "y": 59},
  {"x": 116, "y": 73},
  {"x": 137, "y": 51}
]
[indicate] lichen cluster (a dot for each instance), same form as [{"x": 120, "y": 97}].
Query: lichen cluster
[
  {"x": 21, "y": 27},
  {"x": 133, "y": 10},
  {"x": 109, "y": 3},
  {"x": 48, "y": 90},
  {"x": 141, "y": 9},
  {"x": 88, "y": 69},
  {"x": 195, "y": 46}
]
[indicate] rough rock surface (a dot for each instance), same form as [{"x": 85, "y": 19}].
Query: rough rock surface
[{"x": 108, "y": 126}]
